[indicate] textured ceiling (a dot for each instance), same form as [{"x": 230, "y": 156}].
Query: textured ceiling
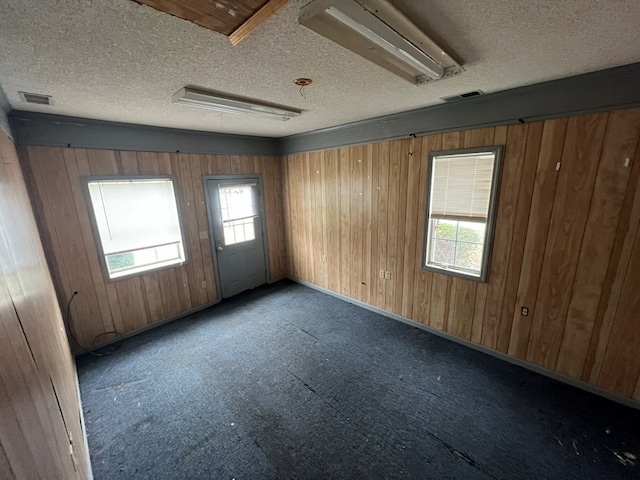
[{"x": 120, "y": 61}]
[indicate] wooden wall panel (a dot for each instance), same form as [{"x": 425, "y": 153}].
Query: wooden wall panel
[
  {"x": 606, "y": 206},
  {"x": 126, "y": 305},
  {"x": 621, "y": 366},
  {"x": 423, "y": 279},
  {"x": 344, "y": 177},
  {"x": 505, "y": 223},
  {"x": 565, "y": 243},
  {"x": 40, "y": 417},
  {"x": 411, "y": 256},
  {"x": 537, "y": 229},
  {"x": 367, "y": 227},
  {"x": 579, "y": 165},
  {"x": 519, "y": 237},
  {"x": 383, "y": 213}
]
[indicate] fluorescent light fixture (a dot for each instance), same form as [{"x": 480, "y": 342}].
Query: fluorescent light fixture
[
  {"x": 227, "y": 104},
  {"x": 377, "y": 31}
]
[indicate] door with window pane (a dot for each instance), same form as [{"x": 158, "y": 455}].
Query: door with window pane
[{"x": 235, "y": 217}]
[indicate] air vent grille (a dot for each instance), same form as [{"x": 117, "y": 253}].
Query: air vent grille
[
  {"x": 461, "y": 96},
  {"x": 36, "y": 98}
]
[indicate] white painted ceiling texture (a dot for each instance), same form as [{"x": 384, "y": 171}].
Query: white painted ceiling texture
[{"x": 120, "y": 61}]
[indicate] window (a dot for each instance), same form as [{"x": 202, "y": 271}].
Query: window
[
  {"x": 239, "y": 210},
  {"x": 461, "y": 200},
  {"x": 137, "y": 224}
]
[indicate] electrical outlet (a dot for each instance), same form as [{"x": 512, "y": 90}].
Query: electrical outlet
[
  {"x": 387, "y": 275},
  {"x": 203, "y": 284},
  {"x": 381, "y": 274},
  {"x": 524, "y": 311},
  {"x": 324, "y": 259}
]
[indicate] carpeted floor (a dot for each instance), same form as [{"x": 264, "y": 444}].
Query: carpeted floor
[{"x": 287, "y": 382}]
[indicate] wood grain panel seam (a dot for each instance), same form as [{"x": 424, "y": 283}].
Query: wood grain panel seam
[
  {"x": 546, "y": 243},
  {"x": 584, "y": 232},
  {"x": 615, "y": 314}
]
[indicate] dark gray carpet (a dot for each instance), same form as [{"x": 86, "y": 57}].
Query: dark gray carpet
[{"x": 287, "y": 382}]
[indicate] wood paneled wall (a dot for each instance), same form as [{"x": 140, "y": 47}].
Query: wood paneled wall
[
  {"x": 39, "y": 408},
  {"x": 54, "y": 177},
  {"x": 566, "y": 243}
]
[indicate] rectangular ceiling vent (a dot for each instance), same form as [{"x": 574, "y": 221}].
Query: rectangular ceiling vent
[
  {"x": 36, "y": 98},
  {"x": 379, "y": 32},
  {"x": 453, "y": 98}
]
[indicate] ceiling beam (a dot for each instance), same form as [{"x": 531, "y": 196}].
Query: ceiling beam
[{"x": 255, "y": 20}]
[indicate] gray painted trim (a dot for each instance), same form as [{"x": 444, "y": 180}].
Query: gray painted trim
[
  {"x": 491, "y": 214},
  {"x": 610, "y": 89},
  {"x": 32, "y": 128},
  {"x": 604, "y": 90},
  {"x": 630, "y": 402}
]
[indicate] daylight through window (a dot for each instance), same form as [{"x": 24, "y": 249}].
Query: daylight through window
[
  {"x": 138, "y": 224},
  {"x": 461, "y": 197},
  {"x": 239, "y": 210}
]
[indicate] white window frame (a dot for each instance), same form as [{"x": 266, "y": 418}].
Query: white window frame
[
  {"x": 495, "y": 188},
  {"x": 144, "y": 269}
]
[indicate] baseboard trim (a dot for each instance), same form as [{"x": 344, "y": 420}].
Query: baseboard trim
[
  {"x": 138, "y": 331},
  {"x": 629, "y": 402},
  {"x": 159, "y": 323},
  {"x": 85, "y": 439}
]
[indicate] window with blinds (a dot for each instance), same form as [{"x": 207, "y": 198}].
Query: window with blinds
[
  {"x": 137, "y": 224},
  {"x": 462, "y": 191}
]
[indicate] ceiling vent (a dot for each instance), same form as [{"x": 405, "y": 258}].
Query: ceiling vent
[
  {"x": 453, "y": 98},
  {"x": 35, "y": 98}
]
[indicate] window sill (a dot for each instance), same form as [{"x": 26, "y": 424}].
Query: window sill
[
  {"x": 455, "y": 273},
  {"x": 135, "y": 272}
]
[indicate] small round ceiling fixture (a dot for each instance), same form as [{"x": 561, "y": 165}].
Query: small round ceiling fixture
[{"x": 303, "y": 82}]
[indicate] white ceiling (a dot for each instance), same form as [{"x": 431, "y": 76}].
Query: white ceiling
[{"x": 116, "y": 60}]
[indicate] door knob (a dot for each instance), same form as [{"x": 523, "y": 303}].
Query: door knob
[{"x": 220, "y": 249}]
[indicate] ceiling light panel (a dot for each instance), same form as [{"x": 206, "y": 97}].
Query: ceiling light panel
[
  {"x": 228, "y": 104},
  {"x": 377, "y": 31}
]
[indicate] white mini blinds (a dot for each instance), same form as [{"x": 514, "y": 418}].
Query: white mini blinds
[
  {"x": 462, "y": 191},
  {"x": 138, "y": 224},
  {"x": 461, "y": 186}
]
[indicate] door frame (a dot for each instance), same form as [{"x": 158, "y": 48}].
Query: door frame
[{"x": 214, "y": 256}]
